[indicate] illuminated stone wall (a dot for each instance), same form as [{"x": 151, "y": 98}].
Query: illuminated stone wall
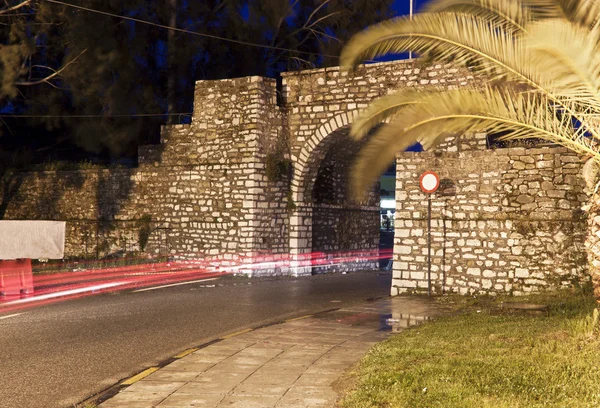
[
  {"x": 204, "y": 187},
  {"x": 251, "y": 173},
  {"x": 513, "y": 223}
]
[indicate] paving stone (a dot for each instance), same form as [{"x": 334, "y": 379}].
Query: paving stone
[
  {"x": 273, "y": 344},
  {"x": 311, "y": 346},
  {"x": 307, "y": 390},
  {"x": 284, "y": 369},
  {"x": 227, "y": 346},
  {"x": 187, "y": 365},
  {"x": 213, "y": 383},
  {"x": 238, "y": 401},
  {"x": 333, "y": 365},
  {"x": 170, "y": 376},
  {"x": 260, "y": 351},
  {"x": 300, "y": 376},
  {"x": 253, "y": 336},
  {"x": 191, "y": 401},
  {"x": 277, "y": 378},
  {"x": 279, "y": 362},
  {"x": 232, "y": 367},
  {"x": 239, "y": 359},
  {"x": 308, "y": 397},
  {"x": 260, "y": 389},
  {"x": 154, "y": 387},
  {"x": 305, "y": 402},
  {"x": 133, "y": 400}
]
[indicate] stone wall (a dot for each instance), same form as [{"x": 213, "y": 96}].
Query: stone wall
[
  {"x": 511, "y": 224},
  {"x": 255, "y": 174},
  {"x": 205, "y": 186},
  {"x": 339, "y": 229},
  {"x": 320, "y": 105}
]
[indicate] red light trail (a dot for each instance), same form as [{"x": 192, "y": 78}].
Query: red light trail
[{"x": 100, "y": 278}]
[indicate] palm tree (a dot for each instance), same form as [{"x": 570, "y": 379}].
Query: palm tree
[{"x": 542, "y": 58}]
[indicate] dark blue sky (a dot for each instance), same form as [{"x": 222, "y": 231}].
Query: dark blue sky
[{"x": 403, "y": 6}]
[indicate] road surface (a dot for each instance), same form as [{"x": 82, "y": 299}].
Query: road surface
[{"x": 61, "y": 354}]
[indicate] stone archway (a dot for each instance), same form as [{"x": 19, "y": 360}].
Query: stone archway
[{"x": 326, "y": 220}]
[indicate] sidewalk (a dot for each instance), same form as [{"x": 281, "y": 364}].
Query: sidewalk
[{"x": 291, "y": 365}]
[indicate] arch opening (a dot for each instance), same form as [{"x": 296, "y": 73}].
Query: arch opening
[{"x": 340, "y": 233}]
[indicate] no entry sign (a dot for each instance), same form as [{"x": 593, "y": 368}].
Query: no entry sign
[{"x": 429, "y": 182}]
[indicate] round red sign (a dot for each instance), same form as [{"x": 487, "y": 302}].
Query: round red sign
[{"x": 429, "y": 182}]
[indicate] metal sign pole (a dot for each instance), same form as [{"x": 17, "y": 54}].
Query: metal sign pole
[
  {"x": 429, "y": 245},
  {"x": 429, "y": 183},
  {"x": 411, "y": 15}
]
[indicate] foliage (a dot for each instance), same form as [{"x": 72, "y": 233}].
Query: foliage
[
  {"x": 145, "y": 230},
  {"x": 277, "y": 168},
  {"x": 66, "y": 165},
  {"x": 59, "y": 60},
  {"x": 485, "y": 357},
  {"x": 290, "y": 204},
  {"x": 541, "y": 58}
]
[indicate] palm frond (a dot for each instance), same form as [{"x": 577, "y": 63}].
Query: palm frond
[
  {"x": 458, "y": 38},
  {"x": 585, "y": 13},
  {"x": 509, "y": 14},
  {"x": 436, "y": 114},
  {"x": 582, "y": 12},
  {"x": 547, "y": 8},
  {"x": 380, "y": 110},
  {"x": 464, "y": 39},
  {"x": 567, "y": 60}
]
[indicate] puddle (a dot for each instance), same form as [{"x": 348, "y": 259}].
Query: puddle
[
  {"x": 389, "y": 315},
  {"x": 399, "y": 322},
  {"x": 352, "y": 318},
  {"x": 379, "y": 321}
]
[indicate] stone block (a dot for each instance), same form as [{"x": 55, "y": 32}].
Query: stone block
[
  {"x": 521, "y": 273},
  {"x": 474, "y": 271}
]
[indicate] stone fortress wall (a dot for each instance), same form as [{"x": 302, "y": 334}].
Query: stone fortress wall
[
  {"x": 259, "y": 171},
  {"x": 511, "y": 222},
  {"x": 204, "y": 187}
]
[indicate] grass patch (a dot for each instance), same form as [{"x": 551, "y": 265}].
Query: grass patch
[{"x": 486, "y": 357}]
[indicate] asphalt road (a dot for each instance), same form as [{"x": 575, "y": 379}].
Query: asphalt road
[{"x": 61, "y": 354}]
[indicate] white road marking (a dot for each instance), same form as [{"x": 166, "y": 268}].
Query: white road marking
[
  {"x": 66, "y": 293},
  {"x": 173, "y": 284},
  {"x": 9, "y": 316}
]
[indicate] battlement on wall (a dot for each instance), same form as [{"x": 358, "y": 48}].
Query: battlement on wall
[{"x": 231, "y": 119}]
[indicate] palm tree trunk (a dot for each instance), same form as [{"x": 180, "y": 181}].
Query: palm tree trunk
[{"x": 592, "y": 243}]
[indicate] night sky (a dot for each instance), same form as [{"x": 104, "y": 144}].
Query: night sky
[{"x": 403, "y": 6}]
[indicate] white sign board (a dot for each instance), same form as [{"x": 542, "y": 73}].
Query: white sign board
[{"x": 32, "y": 239}]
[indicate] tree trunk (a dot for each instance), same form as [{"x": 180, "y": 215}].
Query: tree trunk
[{"x": 592, "y": 243}]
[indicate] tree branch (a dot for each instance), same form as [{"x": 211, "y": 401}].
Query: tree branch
[
  {"x": 16, "y": 6},
  {"x": 49, "y": 77}
]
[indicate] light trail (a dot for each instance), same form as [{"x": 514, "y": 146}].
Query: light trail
[
  {"x": 101, "y": 277},
  {"x": 65, "y": 293},
  {"x": 173, "y": 284},
  {"x": 9, "y": 316}
]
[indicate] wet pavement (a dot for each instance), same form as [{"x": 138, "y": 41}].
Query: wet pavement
[{"x": 292, "y": 365}]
